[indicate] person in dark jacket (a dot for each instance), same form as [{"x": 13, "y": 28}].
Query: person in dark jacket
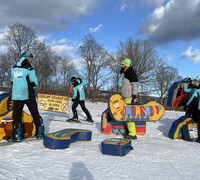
[
  {"x": 24, "y": 80},
  {"x": 192, "y": 106},
  {"x": 129, "y": 92},
  {"x": 78, "y": 97}
]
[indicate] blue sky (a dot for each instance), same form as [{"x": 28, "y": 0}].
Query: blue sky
[{"x": 173, "y": 26}]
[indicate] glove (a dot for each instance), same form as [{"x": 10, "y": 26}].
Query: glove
[
  {"x": 134, "y": 99},
  {"x": 134, "y": 96}
]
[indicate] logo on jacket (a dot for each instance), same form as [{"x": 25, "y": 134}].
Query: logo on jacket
[{"x": 18, "y": 74}]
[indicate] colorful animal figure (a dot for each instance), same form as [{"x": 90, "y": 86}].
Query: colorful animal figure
[
  {"x": 152, "y": 111},
  {"x": 113, "y": 119},
  {"x": 110, "y": 126}
]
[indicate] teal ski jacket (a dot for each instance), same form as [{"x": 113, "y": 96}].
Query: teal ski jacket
[
  {"x": 24, "y": 80},
  {"x": 194, "y": 93},
  {"x": 79, "y": 93}
]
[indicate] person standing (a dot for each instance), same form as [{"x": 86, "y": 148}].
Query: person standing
[
  {"x": 129, "y": 92},
  {"x": 192, "y": 106},
  {"x": 24, "y": 80},
  {"x": 78, "y": 97}
]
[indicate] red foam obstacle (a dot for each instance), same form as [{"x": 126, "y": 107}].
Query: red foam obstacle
[{"x": 63, "y": 138}]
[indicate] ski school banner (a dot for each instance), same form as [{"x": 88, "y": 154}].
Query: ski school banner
[{"x": 54, "y": 103}]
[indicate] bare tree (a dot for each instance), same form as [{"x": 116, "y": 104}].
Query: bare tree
[
  {"x": 43, "y": 64},
  {"x": 56, "y": 61},
  {"x": 115, "y": 64},
  {"x": 67, "y": 69},
  {"x": 96, "y": 60},
  {"x": 19, "y": 38},
  {"x": 143, "y": 56},
  {"x": 164, "y": 77},
  {"x": 5, "y": 70}
]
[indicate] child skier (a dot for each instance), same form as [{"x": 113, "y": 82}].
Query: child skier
[{"x": 78, "y": 97}]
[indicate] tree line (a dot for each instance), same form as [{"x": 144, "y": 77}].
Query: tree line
[{"x": 99, "y": 67}]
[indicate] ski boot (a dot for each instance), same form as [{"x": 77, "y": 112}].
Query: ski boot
[
  {"x": 131, "y": 131},
  {"x": 127, "y": 136},
  {"x": 17, "y": 137},
  {"x": 40, "y": 130},
  {"x": 90, "y": 120},
  {"x": 73, "y": 119},
  {"x": 40, "y": 134}
]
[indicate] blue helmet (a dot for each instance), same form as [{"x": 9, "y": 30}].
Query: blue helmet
[{"x": 26, "y": 54}]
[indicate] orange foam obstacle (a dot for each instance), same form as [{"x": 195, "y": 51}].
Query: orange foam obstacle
[
  {"x": 63, "y": 138},
  {"x": 110, "y": 126},
  {"x": 120, "y": 111},
  {"x": 116, "y": 146}
]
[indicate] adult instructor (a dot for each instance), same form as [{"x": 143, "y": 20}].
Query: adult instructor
[{"x": 129, "y": 92}]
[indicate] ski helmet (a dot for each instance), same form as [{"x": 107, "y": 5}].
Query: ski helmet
[
  {"x": 73, "y": 79},
  {"x": 26, "y": 54}
]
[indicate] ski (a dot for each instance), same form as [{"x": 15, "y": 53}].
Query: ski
[
  {"x": 73, "y": 121},
  {"x": 26, "y": 140}
]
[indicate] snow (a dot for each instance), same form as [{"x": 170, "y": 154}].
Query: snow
[{"x": 155, "y": 156}]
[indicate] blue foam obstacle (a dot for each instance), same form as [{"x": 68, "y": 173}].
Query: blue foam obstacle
[
  {"x": 63, "y": 138},
  {"x": 175, "y": 131},
  {"x": 116, "y": 146},
  {"x": 190, "y": 132}
]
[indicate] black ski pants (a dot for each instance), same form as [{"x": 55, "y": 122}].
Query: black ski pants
[
  {"x": 18, "y": 109},
  {"x": 82, "y": 104}
]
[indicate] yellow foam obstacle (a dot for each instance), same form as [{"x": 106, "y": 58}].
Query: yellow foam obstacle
[
  {"x": 6, "y": 106},
  {"x": 63, "y": 138},
  {"x": 6, "y": 103},
  {"x": 120, "y": 111},
  {"x": 184, "y": 128},
  {"x": 28, "y": 126}
]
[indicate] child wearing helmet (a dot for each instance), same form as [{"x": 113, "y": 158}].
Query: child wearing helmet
[{"x": 78, "y": 97}]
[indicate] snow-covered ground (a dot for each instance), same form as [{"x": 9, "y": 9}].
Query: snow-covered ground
[{"x": 155, "y": 156}]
